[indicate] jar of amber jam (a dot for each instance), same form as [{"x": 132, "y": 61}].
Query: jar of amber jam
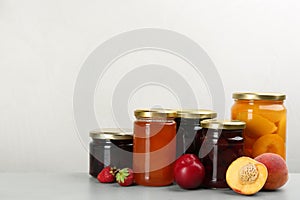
[
  {"x": 265, "y": 116},
  {"x": 222, "y": 143},
  {"x": 154, "y": 147},
  {"x": 189, "y": 129},
  {"x": 110, "y": 147}
]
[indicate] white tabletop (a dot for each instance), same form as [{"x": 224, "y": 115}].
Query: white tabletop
[{"x": 38, "y": 186}]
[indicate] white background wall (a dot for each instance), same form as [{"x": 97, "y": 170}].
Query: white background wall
[{"x": 43, "y": 44}]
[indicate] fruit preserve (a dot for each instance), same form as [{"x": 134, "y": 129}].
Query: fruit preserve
[
  {"x": 188, "y": 126},
  {"x": 154, "y": 147},
  {"x": 110, "y": 147},
  {"x": 265, "y": 117},
  {"x": 222, "y": 143}
]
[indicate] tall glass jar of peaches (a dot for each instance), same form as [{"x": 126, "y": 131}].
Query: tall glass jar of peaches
[{"x": 265, "y": 117}]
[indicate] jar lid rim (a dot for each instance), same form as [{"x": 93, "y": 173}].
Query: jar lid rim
[
  {"x": 259, "y": 96},
  {"x": 196, "y": 113},
  {"x": 111, "y": 134},
  {"x": 223, "y": 124},
  {"x": 155, "y": 113}
]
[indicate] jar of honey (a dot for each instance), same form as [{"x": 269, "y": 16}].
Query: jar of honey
[
  {"x": 110, "y": 147},
  {"x": 265, "y": 117},
  {"x": 154, "y": 147},
  {"x": 189, "y": 128},
  {"x": 222, "y": 143}
]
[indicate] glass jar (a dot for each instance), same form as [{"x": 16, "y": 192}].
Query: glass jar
[
  {"x": 265, "y": 117},
  {"x": 222, "y": 143},
  {"x": 110, "y": 147},
  {"x": 154, "y": 147},
  {"x": 189, "y": 130}
]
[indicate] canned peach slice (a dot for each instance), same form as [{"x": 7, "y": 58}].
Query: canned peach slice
[
  {"x": 282, "y": 128},
  {"x": 248, "y": 141},
  {"x": 249, "y": 135},
  {"x": 273, "y": 116},
  {"x": 270, "y": 143},
  {"x": 248, "y": 144},
  {"x": 248, "y": 152},
  {"x": 257, "y": 124}
]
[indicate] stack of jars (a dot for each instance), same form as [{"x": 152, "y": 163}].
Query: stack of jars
[{"x": 160, "y": 136}]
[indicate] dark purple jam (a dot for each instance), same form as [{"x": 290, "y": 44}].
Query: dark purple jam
[
  {"x": 220, "y": 147},
  {"x": 188, "y": 129},
  {"x": 114, "y": 153},
  {"x": 186, "y": 132},
  {"x": 188, "y": 136}
]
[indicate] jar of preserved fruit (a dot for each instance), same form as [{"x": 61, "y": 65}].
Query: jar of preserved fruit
[
  {"x": 189, "y": 129},
  {"x": 222, "y": 144},
  {"x": 110, "y": 147},
  {"x": 265, "y": 116},
  {"x": 154, "y": 147}
]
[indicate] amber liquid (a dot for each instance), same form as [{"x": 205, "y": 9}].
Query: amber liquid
[{"x": 154, "y": 147}]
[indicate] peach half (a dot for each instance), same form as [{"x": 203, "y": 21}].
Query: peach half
[{"x": 246, "y": 175}]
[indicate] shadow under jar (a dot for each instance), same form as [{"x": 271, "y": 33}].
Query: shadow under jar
[
  {"x": 110, "y": 147},
  {"x": 222, "y": 143},
  {"x": 188, "y": 130}
]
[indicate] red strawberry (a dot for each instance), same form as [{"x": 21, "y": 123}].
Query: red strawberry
[
  {"x": 107, "y": 175},
  {"x": 125, "y": 177}
]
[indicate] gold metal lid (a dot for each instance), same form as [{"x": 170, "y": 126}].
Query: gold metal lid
[
  {"x": 223, "y": 124},
  {"x": 196, "y": 114},
  {"x": 258, "y": 96},
  {"x": 111, "y": 134},
  {"x": 155, "y": 113}
]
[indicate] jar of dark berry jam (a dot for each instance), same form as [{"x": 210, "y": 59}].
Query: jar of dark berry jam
[
  {"x": 110, "y": 147},
  {"x": 222, "y": 143},
  {"x": 189, "y": 130}
]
